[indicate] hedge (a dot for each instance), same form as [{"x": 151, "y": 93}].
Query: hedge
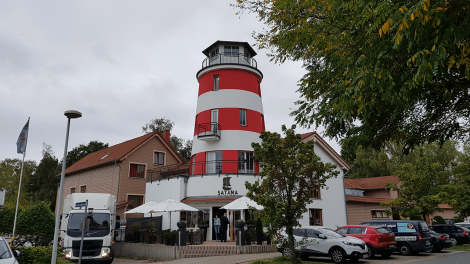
[
  {"x": 439, "y": 219},
  {"x": 36, "y": 255}
]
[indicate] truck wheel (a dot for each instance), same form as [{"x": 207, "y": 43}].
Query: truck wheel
[{"x": 404, "y": 250}]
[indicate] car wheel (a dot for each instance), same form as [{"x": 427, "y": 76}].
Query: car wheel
[
  {"x": 386, "y": 255},
  {"x": 338, "y": 255},
  {"x": 370, "y": 251},
  {"x": 405, "y": 250},
  {"x": 431, "y": 249},
  {"x": 453, "y": 241},
  {"x": 287, "y": 252}
]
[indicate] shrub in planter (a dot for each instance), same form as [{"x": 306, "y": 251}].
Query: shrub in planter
[
  {"x": 239, "y": 224},
  {"x": 259, "y": 232},
  {"x": 248, "y": 237},
  {"x": 250, "y": 223},
  {"x": 203, "y": 223},
  {"x": 439, "y": 219},
  {"x": 166, "y": 237},
  {"x": 181, "y": 224},
  {"x": 268, "y": 238},
  {"x": 172, "y": 237}
]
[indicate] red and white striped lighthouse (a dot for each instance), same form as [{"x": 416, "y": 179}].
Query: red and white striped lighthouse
[{"x": 229, "y": 114}]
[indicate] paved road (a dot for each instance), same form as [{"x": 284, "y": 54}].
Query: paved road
[{"x": 446, "y": 256}]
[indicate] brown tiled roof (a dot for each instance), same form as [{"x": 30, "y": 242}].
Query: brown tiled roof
[
  {"x": 366, "y": 199},
  {"x": 208, "y": 200},
  {"x": 370, "y": 183},
  {"x": 116, "y": 154},
  {"x": 327, "y": 148}
]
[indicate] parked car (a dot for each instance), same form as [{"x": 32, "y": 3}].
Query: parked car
[
  {"x": 439, "y": 241},
  {"x": 378, "y": 240},
  {"x": 412, "y": 236},
  {"x": 7, "y": 256},
  {"x": 458, "y": 235},
  {"x": 464, "y": 224},
  {"x": 322, "y": 241}
]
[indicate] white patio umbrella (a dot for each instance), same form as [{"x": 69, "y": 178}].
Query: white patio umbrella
[
  {"x": 242, "y": 203},
  {"x": 171, "y": 205}
]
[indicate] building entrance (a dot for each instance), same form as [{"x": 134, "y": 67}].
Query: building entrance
[{"x": 219, "y": 212}]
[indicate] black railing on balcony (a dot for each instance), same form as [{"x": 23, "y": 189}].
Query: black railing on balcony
[
  {"x": 225, "y": 58},
  {"x": 163, "y": 172},
  {"x": 208, "y": 130},
  {"x": 224, "y": 167}
]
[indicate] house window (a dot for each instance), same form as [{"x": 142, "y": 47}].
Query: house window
[
  {"x": 315, "y": 217},
  {"x": 159, "y": 158},
  {"x": 214, "y": 162},
  {"x": 216, "y": 82},
  {"x": 246, "y": 163},
  {"x": 137, "y": 170},
  {"x": 214, "y": 52},
  {"x": 136, "y": 200},
  {"x": 231, "y": 50},
  {"x": 194, "y": 164},
  {"x": 316, "y": 191},
  {"x": 378, "y": 214},
  {"x": 242, "y": 117},
  {"x": 83, "y": 189},
  {"x": 72, "y": 190}
]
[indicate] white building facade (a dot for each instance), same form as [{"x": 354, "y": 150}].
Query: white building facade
[{"x": 229, "y": 117}]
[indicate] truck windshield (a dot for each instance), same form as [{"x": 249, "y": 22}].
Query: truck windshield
[{"x": 97, "y": 221}]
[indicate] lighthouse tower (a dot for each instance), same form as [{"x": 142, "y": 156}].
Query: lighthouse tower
[{"x": 229, "y": 114}]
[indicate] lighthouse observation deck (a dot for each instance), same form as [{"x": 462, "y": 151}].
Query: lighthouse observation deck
[{"x": 229, "y": 58}]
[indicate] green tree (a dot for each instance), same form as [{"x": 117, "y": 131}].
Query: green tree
[
  {"x": 82, "y": 150},
  {"x": 10, "y": 171},
  {"x": 180, "y": 145},
  {"x": 290, "y": 171},
  {"x": 37, "y": 219},
  {"x": 369, "y": 163},
  {"x": 419, "y": 189},
  {"x": 375, "y": 70},
  {"x": 42, "y": 185}
]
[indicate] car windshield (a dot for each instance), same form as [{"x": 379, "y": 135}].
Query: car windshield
[
  {"x": 330, "y": 233},
  {"x": 4, "y": 250},
  {"x": 97, "y": 221}
]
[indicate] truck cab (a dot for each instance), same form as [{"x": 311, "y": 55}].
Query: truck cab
[{"x": 99, "y": 227}]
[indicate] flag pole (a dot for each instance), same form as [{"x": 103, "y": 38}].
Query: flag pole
[{"x": 19, "y": 187}]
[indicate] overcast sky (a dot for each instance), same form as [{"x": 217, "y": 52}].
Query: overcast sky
[{"x": 121, "y": 63}]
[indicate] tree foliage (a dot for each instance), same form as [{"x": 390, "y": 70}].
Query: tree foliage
[
  {"x": 42, "y": 185},
  {"x": 375, "y": 70},
  {"x": 290, "y": 171},
  {"x": 82, "y": 150},
  {"x": 37, "y": 219},
  {"x": 10, "y": 171},
  {"x": 419, "y": 188},
  {"x": 180, "y": 145}
]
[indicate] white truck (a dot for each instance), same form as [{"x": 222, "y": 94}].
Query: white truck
[{"x": 99, "y": 227}]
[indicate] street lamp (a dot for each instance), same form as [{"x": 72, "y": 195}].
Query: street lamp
[{"x": 70, "y": 114}]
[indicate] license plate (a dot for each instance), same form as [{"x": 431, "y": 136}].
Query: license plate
[
  {"x": 392, "y": 245},
  {"x": 87, "y": 257}
]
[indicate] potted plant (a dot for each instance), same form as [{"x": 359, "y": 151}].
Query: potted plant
[
  {"x": 172, "y": 237},
  {"x": 250, "y": 223},
  {"x": 248, "y": 237},
  {"x": 268, "y": 238},
  {"x": 181, "y": 224},
  {"x": 166, "y": 237},
  {"x": 133, "y": 232},
  {"x": 259, "y": 232},
  {"x": 239, "y": 223},
  {"x": 203, "y": 225}
]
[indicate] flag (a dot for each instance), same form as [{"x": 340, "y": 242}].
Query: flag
[{"x": 22, "y": 139}]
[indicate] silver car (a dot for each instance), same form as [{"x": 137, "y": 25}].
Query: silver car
[{"x": 7, "y": 256}]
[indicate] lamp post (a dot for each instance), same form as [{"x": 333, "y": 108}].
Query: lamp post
[{"x": 70, "y": 114}]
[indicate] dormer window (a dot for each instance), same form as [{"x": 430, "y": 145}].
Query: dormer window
[
  {"x": 231, "y": 50},
  {"x": 214, "y": 52}
]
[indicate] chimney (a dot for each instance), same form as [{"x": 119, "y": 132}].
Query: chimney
[{"x": 166, "y": 136}]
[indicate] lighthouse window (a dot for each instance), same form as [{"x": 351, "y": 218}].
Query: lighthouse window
[
  {"x": 246, "y": 163},
  {"x": 216, "y": 82},
  {"x": 242, "y": 117},
  {"x": 231, "y": 50},
  {"x": 214, "y": 162}
]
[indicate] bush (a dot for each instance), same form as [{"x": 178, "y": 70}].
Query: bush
[
  {"x": 202, "y": 222},
  {"x": 172, "y": 235},
  {"x": 416, "y": 217},
  {"x": 36, "y": 255},
  {"x": 37, "y": 219},
  {"x": 439, "y": 219},
  {"x": 7, "y": 217},
  {"x": 458, "y": 219},
  {"x": 250, "y": 222},
  {"x": 259, "y": 226},
  {"x": 166, "y": 235}
]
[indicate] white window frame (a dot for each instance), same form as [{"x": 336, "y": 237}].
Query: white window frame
[
  {"x": 214, "y": 119},
  {"x": 243, "y": 117},
  {"x": 137, "y": 163},
  {"x": 158, "y": 159},
  {"x": 216, "y": 82}
]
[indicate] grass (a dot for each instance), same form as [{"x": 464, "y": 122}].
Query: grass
[
  {"x": 461, "y": 247},
  {"x": 277, "y": 260}
]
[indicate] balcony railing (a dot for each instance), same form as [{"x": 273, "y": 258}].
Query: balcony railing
[
  {"x": 224, "y": 167},
  {"x": 208, "y": 131},
  {"x": 168, "y": 171},
  {"x": 229, "y": 58}
]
